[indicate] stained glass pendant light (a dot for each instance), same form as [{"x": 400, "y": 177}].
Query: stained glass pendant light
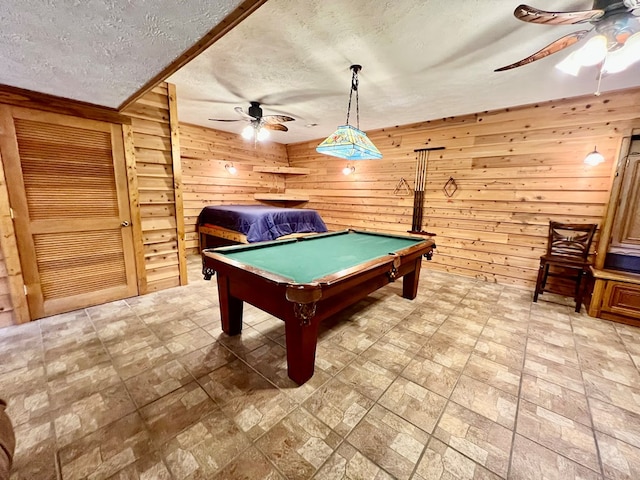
[{"x": 348, "y": 141}]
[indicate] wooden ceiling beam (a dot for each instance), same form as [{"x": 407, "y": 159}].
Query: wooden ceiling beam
[
  {"x": 241, "y": 12},
  {"x": 20, "y": 97}
]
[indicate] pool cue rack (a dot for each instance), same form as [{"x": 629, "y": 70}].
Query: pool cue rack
[{"x": 418, "y": 193}]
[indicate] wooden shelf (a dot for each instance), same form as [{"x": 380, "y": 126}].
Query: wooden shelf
[
  {"x": 281, "y": 197},
  {"x": 282, "y": 170}
]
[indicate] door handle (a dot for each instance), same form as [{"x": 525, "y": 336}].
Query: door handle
[{"x": 125, "y": 223}]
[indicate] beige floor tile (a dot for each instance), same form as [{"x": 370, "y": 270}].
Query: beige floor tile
[
  {"x": 379, "y": 364},
  {"x": 299, "y": 444},
  {"x": 89, "y": 413},
  {"x": 206, "y": 359},
  {"x": 431, "y": 375},
  {"x": 620, "y": 461},
  {"x": 204, "y": 447},
  {"x": 105, "y": 452},
  {"x": 571, "y": 439},
  {"x": 450, "y": 351},
  {"x": 77, "y": 385},
  {"x": 442, "y": 462},
  {"x": 615, "y": 393},
  {"x": 551, "y": 371},
  {"x": 157, "y": 382},
  {"x": 339, "y": 406},
  {"x": 620, "y": 369},
  {"x": 565, "y": 356},
  {"x": 253, "y": 402},
  {"x": 486, "y": 400},
  {"x": 35, "y": 453},
  {"x": 347, "y": 463},
  {"x": 482, "y": 440},
  {"x": 26, "y": 393},
  {"x": 413, "y": 403},
  {"x": 556, "y": 398},
  {"x": 177, "y": 411},
  {"x": 616, "y": 422},
  {"x": 494, "y": 374},
  {"x": 250, "y": 465},
  {"x": 368, "y": 378},
  {"x": 531, "y": 461},
  {"x": 390, "y": 442},
  {"x": 332, "y": 358},
  {"x": 389, "y": 355},
  {"x": 510, "y": 357}
]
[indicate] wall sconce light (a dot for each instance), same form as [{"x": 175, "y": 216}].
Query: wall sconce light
[
  {"x": 348, "y": 170},
  {"x": 594, "y": 158},
  {"x": 231, "y": 169},
  {"x": 348, "y": 141}
]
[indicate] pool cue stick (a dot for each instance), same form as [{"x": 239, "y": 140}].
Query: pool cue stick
[{"x": 421, "y": 181}]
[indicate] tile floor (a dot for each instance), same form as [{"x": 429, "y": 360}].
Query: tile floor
[{"x": 469, "y": 381}]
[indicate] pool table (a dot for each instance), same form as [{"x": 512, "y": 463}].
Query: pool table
[{"x": 306, "y": 280}]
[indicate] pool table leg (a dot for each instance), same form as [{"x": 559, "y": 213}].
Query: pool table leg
[
  {"x": 230, "y": 308},
  {"x": 410, "y": 281},
  {"x": 301, "y": 348}
]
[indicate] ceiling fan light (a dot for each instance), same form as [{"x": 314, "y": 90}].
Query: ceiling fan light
[
  {"x": 593, "y": 52},
  {"x": 262, "y": 134},
  {"x": 247, "y": 132},
  {"x": 569, "y": 65}
]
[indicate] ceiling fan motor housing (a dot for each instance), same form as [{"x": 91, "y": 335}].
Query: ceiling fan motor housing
[{"x": 254, "y": 110}]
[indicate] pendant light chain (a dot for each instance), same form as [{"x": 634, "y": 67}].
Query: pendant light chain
[{"x": 354, "y": 88}]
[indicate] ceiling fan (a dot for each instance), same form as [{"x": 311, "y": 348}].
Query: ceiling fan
[
  {"x": 257, "y": 121},
  {"x": 615, "y": 22}
]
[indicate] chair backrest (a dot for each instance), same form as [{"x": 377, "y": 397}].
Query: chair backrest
[{"x": 570, "y": 240}]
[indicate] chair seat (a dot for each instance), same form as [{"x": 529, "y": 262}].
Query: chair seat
[{"x": 565, "y": 261}]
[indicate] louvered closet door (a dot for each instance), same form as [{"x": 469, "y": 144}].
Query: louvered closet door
[{"x": 67, "y": 187}]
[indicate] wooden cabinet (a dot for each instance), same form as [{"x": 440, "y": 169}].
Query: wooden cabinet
[{"x": 616, "y": 272}]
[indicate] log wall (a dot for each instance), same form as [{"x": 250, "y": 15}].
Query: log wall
[
  {"x": 204, "y": 153},
  {"x": 516, "y": 169}
]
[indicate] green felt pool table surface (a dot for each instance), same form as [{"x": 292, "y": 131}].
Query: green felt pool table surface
[
  {"x": 306, "y": 280},
  {"x": 316, "y": 256}
]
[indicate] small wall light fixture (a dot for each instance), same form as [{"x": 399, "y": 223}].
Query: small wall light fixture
[
  {"x": 349, "y": 169},
  {"x": 231, "y": 169},
  {"x": 594, "y": 158}
]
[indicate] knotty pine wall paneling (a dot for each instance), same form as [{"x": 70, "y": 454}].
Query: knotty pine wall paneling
[
  {"x": 204, "y": 153},
  {"x": 156, "y": 189},
  {"x": 516, "y": 169}
]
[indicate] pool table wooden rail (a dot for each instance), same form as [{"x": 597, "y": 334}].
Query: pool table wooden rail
[{"x": 302, "y": 306}]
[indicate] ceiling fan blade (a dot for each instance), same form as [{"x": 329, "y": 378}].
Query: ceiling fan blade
[
  {"x": 534, "y": 15},
  {"x": 244, "y": 114},
  {"x": 271, "y": 119},
  {"x": 275, "y": 126},
  {"x": 550, "y": 49},
  {"x": 224, "y": 120}
]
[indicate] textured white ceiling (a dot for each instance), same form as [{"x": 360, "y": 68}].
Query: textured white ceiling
[
  {"x": 422, "y": 60},
  {"x": 98, "y": 51}
]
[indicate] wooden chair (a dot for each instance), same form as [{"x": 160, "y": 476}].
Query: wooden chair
[{"x": 567, "y": 256}]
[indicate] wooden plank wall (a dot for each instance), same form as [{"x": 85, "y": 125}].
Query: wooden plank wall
[
  {"x": 157, "y": 190},
  {"x": 204, "y": 153},
  {"x": 6, "y": 307},
  {"x": 516, "y": 169}
]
